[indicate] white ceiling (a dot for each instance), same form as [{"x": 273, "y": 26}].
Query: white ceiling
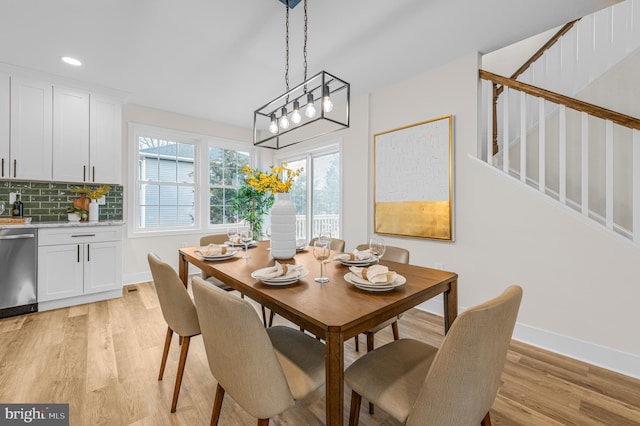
[{"x": 221, "y": 60}]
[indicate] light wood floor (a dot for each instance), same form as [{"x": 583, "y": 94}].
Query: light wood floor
[{"x": 103, "y": 359}]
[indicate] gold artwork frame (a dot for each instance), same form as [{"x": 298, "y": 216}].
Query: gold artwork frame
[{"x": 413, "y": 180}]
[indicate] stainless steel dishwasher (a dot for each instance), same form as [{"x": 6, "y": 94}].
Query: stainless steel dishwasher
[{"x": 18, "y": 268}]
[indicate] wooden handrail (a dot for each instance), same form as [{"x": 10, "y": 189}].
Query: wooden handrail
[
  {"x": 553, "y": 40},
  {"x": 594, "y": 110}
]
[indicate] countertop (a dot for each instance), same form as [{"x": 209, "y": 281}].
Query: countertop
[{"x": 62, "y": 224}]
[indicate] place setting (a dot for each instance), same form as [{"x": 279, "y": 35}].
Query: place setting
[
  {"x": 366, "y": 257},
  {"x": 216, "y": 252},
  {"x": 280, "y": 274},
  {"x": 374, "y": 278}
]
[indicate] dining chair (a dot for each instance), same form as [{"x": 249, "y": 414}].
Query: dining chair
[
  {"x": 221, "y": 239},
  {"x": 419, "y": 384},
  {"x": 393, "y": 254},
  {"x": 263, "y": 370},
  {"x": 178, "y": 311},
  {"x": 337, "y": 245}
]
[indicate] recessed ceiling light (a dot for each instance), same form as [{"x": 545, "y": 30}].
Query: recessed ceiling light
[{"x": 71, "y": 61}]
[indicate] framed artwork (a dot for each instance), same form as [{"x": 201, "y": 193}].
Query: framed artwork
[{"x": 413, "y": 180}]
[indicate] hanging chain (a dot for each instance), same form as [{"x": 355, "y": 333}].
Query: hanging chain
[
  {"x": 286, "y": 69},
  {"x": 305, "y": 40}
]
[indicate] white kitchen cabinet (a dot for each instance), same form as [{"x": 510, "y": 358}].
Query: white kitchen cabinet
[
  {"x": 78, "y": 265},
  {"x": 5, "y": 90},
  {"x": 86, "y": 137},
  {"x": 70, "y": 135},
  {"x": 105, "y": 139},
  {"x": 31, "y": 129}
]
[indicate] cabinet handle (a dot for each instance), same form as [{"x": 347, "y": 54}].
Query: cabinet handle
[
  {"x": 83, "y": 235},
  {"x": 88, "y": 251},
  {"x": 93, "y": 170},
  {"x": 84, "y": 173},
  {"x": 78, "y": 253},
  {"x": 14, "y": 167},
  {"x": 3, "y": 167}
]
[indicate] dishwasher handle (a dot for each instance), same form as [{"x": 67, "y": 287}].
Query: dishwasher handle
[{"x": 16, "y": 237}]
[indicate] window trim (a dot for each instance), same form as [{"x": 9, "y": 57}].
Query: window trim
[{"x": 201, "y": 177}]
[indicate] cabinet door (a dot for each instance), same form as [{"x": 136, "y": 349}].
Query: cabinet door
[
  {"x": 31, "y": 129},
  {"x": 70, "y": 135},
  {"x": 60, "y": 271},
  {"x": 106, "y": 140},
  {"x": 4, "y": 125},
  {"x": 102, "y": 266}
]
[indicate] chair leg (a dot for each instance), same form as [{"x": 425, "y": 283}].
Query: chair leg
[
  {"x": 217, "y": 405},
  {"x": 165, "y": 353},
  {"x": 396, "y": 332},
  {"x": 263, "y": 422},
  {"x": 354, "y": 413},
  {"x": 370, "y": 341},
  {"x": 181, "y": 363},
  {"x": 271, "y": 315},
  {"x": 357, "y": 340},
  {"x": 264, "y": 316},
  {"x": 486, "y": 421}
]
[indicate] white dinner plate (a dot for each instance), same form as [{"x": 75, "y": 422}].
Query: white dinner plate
[
  {"x": 228, "y": 255},
  {"x": 290, "y": 278},
  {"x": 232, "y": 244},
  {"x": 362, "y": 284},
  {"x": 364, "y": 262}
]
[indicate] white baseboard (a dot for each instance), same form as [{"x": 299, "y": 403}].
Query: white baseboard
[
  {"x": 138, "y": 277},
  {"x": 591, "y": 353}
]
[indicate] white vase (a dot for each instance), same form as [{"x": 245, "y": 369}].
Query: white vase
[
  {"x": 94, "y": 211},
  {"x": 283, "y": 227}
]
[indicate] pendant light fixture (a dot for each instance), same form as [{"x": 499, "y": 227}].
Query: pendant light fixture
[{"x": 317, "y": 106}]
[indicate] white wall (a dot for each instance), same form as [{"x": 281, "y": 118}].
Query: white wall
[{"x": 580, "y": 283}]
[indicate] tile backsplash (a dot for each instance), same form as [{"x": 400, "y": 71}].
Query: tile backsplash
[{"x": 48, "y": 201}]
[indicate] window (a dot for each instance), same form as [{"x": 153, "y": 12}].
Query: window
[
  {"x": 182, "y": 182},
  {"x": 316, "y": 193},
  {"x": 224, "y": 180}
]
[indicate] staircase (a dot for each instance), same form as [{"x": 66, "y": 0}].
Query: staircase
[{"x": 540, "y": 132}]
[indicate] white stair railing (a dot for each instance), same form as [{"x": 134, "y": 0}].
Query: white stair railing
[{"x": 604, "y": 147}]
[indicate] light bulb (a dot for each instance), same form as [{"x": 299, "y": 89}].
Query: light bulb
[
  {"x": 284, "y": 120},
  {"x": 310, "y": 110},
  {"x": 273, "y": 127},
  {"x": 295, "y": 115},
  {"x": 327, "y": 105}
]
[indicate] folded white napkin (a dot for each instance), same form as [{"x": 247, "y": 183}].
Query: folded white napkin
[
  {"x": 301, "y": 243},
  {"x": 278, "y": 270},
  {"x": 376, "y": 274},
  {"x": 355, "y": 255},
  {"x": 213, "y": 250}
]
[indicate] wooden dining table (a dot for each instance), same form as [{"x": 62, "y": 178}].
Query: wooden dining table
[{"x": 334, "y": 311}]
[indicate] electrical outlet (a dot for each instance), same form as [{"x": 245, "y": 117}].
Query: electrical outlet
[
  {"x": 12, "y": 197},
  {"x": 102, "y": 201}
]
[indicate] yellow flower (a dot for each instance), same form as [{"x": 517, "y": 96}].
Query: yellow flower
[
  {"x": 278, "y": 180},
  {"x": 94, "y": 194}
]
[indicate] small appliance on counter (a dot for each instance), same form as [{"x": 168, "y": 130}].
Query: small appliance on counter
[{"x": 18, "y": 263}]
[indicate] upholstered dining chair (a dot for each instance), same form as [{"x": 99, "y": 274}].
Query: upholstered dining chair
[
  {"x": 393, "y": 254},
  {"x": 337, "y": 245},
  {"x": 263, "y": 370},
  {"x": 178, "y": 311},
  {"x": 220, "y": 239},
  {"x": 419, "y": 384}
]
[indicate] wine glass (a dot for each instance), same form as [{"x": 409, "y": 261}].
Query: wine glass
[
  {"x": 232, "y": 233},
  {"x": 377, "y": 247},
  {"x": 322, "y": 251},
  {"x": 1, "y": 208},
  {"x": 246, "y": 236}
]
